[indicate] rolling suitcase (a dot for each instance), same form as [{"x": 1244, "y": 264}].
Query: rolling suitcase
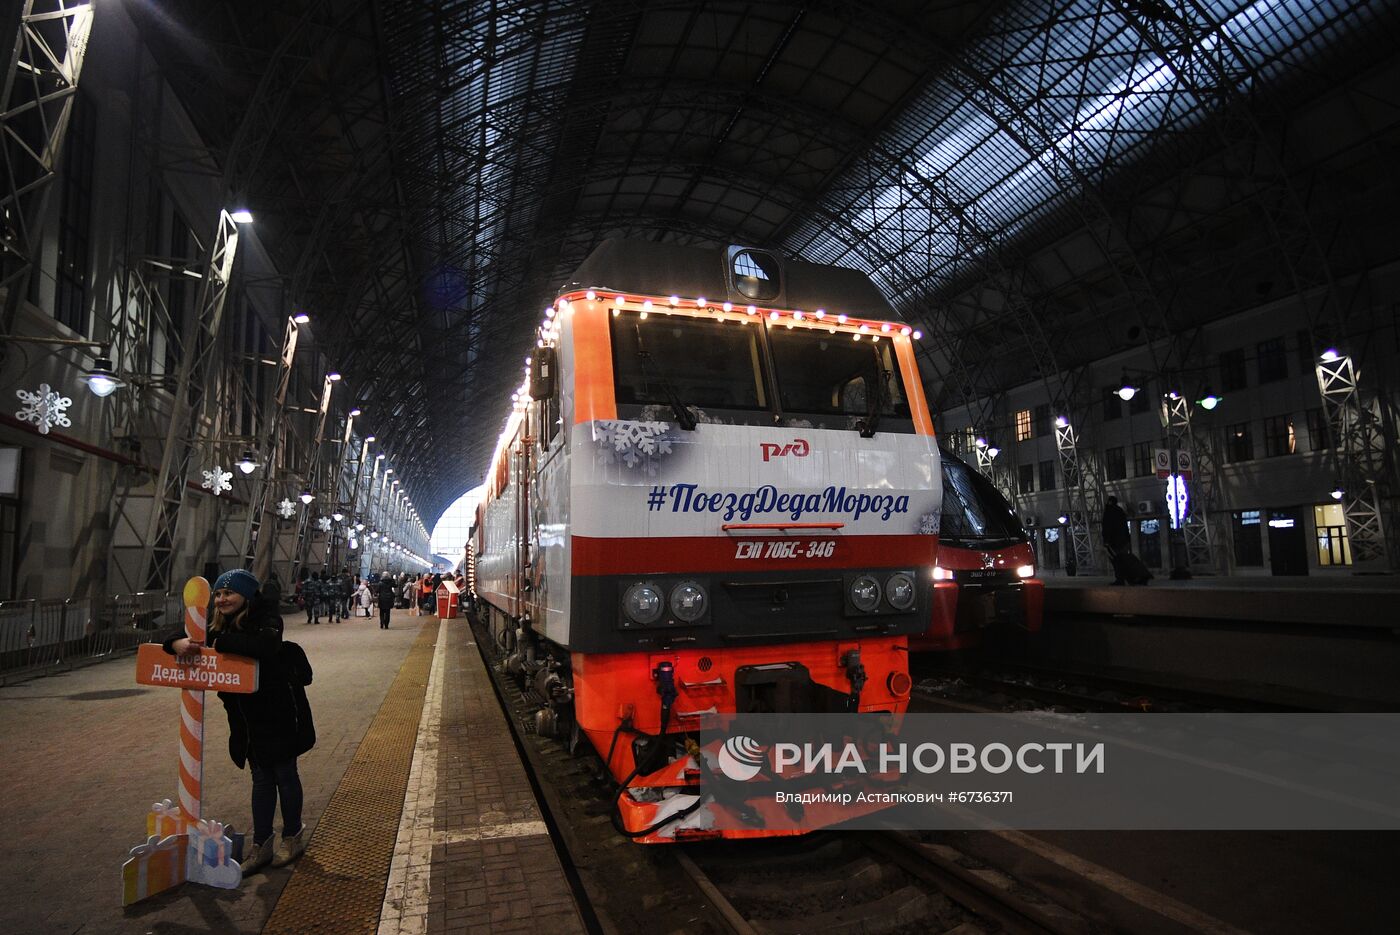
[{"x": 1130, "y": 568}]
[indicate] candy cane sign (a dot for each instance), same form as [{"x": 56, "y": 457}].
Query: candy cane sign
[{"x": 182, "y": 845}]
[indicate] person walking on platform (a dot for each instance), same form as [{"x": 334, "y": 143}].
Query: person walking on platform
[
  {"x": 311, "y": 592},
  {"x": 1116, "y": 538},
  {"x": 271, "y": 727},
  {"x": 364, "y": 597},
  {"x": 410, "y": 594},
  {"x": 347, "y": 592},
  {"x": 388, "y": 593}
]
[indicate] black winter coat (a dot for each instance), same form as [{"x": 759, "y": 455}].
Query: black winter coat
[
  {"x": 273, "y": 724},
  {"x": 388, "y": 593}
]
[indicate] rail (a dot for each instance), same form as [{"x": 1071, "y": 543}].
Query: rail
[{"x": 41, "y": 637}]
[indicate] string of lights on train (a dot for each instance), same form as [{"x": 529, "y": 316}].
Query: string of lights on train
[{"x": 547, "y": 332}]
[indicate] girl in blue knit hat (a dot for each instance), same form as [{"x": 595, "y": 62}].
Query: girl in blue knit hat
[{"x": 272, "y": 726}]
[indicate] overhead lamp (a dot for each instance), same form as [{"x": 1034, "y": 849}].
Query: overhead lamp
[
  {"x": 333, "y": 376},
  {"x": 369, "y": 439},
  {"x": 387, "y": 471},
  {"x": 1330, "y": 355},
  {"x": 359, "y": 526},
  {"x": 301, "y": 318},
  {"x": 1338, "y": 493},
  {"x": 337, "y": 516},
  {"x": 1209, "y": 401},
  {"x": 993, "y": 451},
  {"x": 1063, "y": 519},
  {"x": 354, "y": 413},
  {"x": 379, "y": 457},
  {"x": 241, "y": 216},
  {"x": 1126, "y": 390},
  {"x": 981, "y": 442},
  {"x": 102, "y": 377},
  {"x": 247, "y": 462},
  {"x": 1061, "y": 422},
  {"x": 307, "y": 496},
  {"x": 373, "y": 534}
]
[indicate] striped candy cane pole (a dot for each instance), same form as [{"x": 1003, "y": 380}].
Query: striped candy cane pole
[{"x": 196, "y": 597}]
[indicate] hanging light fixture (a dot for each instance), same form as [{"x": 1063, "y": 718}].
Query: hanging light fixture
[
  {"x": 1126, "y": 390},
  {"x": 247, "y": 462},
  {"x": 1209, "y": 400},
  {"x": 306, "y": 495},
  {"x": 337, "y": 516},
  {"x": 1338, "y": 493},
  {"x": 102, "y": 377}
]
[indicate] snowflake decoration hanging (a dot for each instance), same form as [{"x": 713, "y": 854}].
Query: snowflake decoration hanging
[
  {"x": 218, "y": 480},
  {"x": 324, "y": 524},
  {"x": 286, "y": 508},
  {"x": 929, "y": 524},
  {"x": 45, "y": 408},
  {"x": 636, "y": 444}
]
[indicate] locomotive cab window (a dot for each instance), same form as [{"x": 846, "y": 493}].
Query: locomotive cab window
[
  {"x": 701, "y": 363},
  {"x": 830, "y": 379}
]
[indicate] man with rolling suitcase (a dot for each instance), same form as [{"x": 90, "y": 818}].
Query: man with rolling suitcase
[{"x": 1127, "y": 567}]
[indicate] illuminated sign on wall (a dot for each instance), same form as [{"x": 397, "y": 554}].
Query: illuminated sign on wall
[{"x": 1178, "y": 500}]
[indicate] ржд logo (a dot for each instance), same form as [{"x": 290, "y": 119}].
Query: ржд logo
[{"x": 798, "y": 448}]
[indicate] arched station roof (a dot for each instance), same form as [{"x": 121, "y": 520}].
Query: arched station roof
[{"x": 1013, "y": 175}]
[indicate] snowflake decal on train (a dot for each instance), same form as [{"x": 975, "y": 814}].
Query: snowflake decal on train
[
  {"x": 639, "y": 445},
  {"x": 45, "y": 408},
  {"x": 929, "y": 524},
  {"x": 217, "y": 480}
]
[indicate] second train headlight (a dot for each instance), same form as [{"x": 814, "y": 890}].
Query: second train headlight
[
  {"x": 689, "y": 601},
  {"x": 1025, "y": 571},
  {"x": 899, "y": 591},
  {"x": 642, "y": 603},
  {"x": 865, "y": 593}
]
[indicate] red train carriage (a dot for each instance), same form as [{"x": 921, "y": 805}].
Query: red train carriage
[
  {"x": 718, "y": 493},
  {"x": 985, "y": 577}
]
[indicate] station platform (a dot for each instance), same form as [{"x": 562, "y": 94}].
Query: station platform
[
  {"x": 420, "y": 814},
  {"x": 1351, "y": 600},
  {"x": 1320, "y": 642}
]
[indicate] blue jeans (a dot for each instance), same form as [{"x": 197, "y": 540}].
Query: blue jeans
[{"x": 269, "y": 784}]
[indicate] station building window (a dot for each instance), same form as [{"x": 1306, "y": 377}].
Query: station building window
[
  {"x": 1273, "y": 360},
  {"x": 1025, "y": 478},
  {"x": 1319, "y": 431},
  {"x": 1047, "y": 475},
  {"x": 1115, "y": 463},
  {"x": 1333, "y": 548},
  {"x": 1023, "y": 425},
  {"x": 1307, "y": 357},
  {"x": 1239, "y": 443},
  {"x": 1042, "y": 420},
  {"x": 1233, "y": 375},
  {"x": 1248, "y": 537},
  {"x": 1280, "y": 436},
  {"x": 1142, "y": 460},
  {"x": 1112, "y": 404},
  {"x": 1141, "y": 402},
  {"x": 1150, "y": 542}
]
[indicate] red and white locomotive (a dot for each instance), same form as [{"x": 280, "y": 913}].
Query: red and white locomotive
[{"x": 719, "y": 492}]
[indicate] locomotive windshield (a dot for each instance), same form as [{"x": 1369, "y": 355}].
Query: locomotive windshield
[
  {"x": 974, "y": 512},
  {"x": 720, "y": 368}
]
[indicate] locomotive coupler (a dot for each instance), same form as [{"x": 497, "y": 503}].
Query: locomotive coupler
[{"x": 855, "y": 674}]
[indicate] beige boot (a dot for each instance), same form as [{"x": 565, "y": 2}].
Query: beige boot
[
  {"x": 260, "y": 857},
  {"x": 290, "y": 849}
]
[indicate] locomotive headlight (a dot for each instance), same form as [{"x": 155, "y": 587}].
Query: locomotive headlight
[
  {"x": 1025, "y": 571},
  {"x": 941, "y": 574},
  {"x": 689, "y": 601},
  {"x": 899, "y": 591},
  {"x": 642, "y": 602},
  {"x": 865, "y": 593}
]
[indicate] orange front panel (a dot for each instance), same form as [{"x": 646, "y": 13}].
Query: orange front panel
[
  {"x": 593, "y": 370},
  {"x": 913, "y": 386},
  {"x": 609, "y": 687}
]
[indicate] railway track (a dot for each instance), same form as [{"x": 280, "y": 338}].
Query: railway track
[
  {"x": 1008, "y": 686},
  {"x": 866, "y": 883}
]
